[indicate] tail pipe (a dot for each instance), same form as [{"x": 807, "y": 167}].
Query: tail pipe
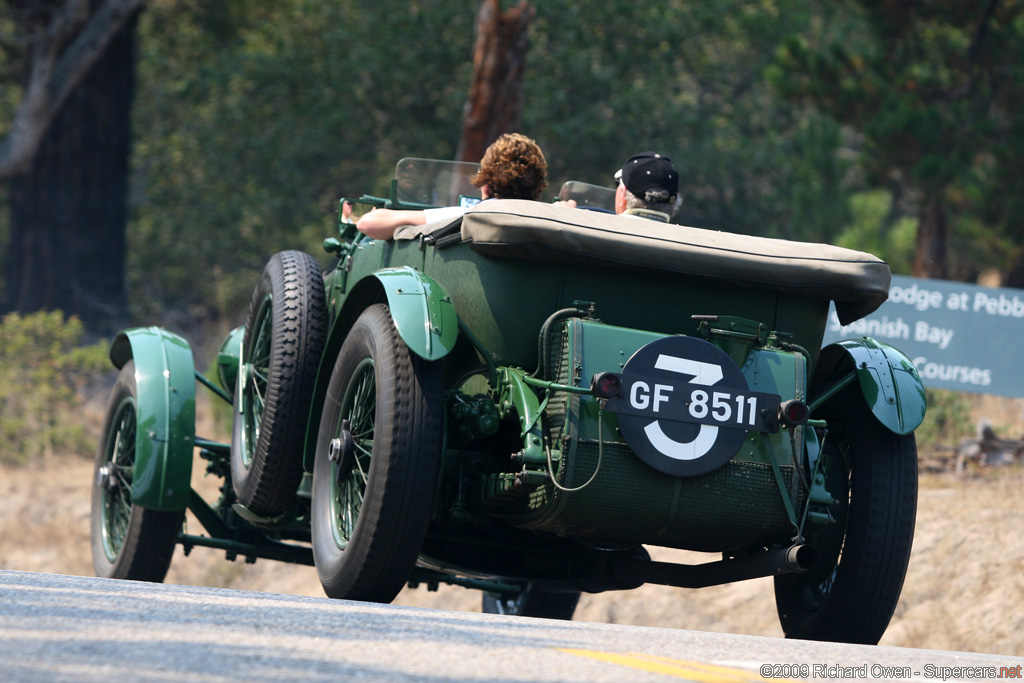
[{"x": 792, "y": 560}]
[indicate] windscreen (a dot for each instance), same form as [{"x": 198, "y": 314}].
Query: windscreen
[
  {"x": 435, "y": 183},
  {"x": 588, "y": 196}
]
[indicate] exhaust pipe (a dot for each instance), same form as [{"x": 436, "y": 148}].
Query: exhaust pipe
[{"x": 792, "y": 560}]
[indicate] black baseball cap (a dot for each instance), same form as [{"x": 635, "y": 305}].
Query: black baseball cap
[{"x": 649, "y": 171}]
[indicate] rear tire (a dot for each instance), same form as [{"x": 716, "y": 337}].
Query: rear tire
[
  {"x": 535, "y": 600},
  {"x": 284, "y": 339},
  {"x": 852, "y": 592},
  {"x": 128, "y": 541},
  {"x": 373, "y": 502}
]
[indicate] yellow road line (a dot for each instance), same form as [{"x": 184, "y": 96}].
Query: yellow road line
[{"x": 679, "y": 668}]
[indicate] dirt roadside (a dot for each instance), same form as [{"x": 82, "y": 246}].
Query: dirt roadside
[{"x": 963, "y": 591}]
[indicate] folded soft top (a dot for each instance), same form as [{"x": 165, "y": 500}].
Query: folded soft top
[{"x": 858, "y": 282}]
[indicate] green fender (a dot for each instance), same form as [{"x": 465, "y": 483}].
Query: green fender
[
  {"x": 422, "y": 310},
  {"x": 888, "y": 379},
  {"x": 166, "y": 413},
  {"x": 228, "y": 359},
  {"x": 424, "y": 316}
]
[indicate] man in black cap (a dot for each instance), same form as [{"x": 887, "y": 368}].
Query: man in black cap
[{"x": 647, "y": 186}]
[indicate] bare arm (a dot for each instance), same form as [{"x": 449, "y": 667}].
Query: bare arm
[{"x": 380, "y": 224}]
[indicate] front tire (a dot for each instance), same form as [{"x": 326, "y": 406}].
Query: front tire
[
  {"x": 852, "y": 592},
  {"x": 284, "y": 339},
  {"x": 378, "y": 456},
  {"x": 128, "y": 541}
]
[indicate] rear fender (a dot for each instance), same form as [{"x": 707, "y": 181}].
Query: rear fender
[
  {"x": 166, "y": 413},
  {"x": 422, "y": 310},
  {"x": 888, "y": 381},
  {"x": 424, "y": 316}
]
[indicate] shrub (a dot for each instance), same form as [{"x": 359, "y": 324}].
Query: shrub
[
  {"x": 948, "y": 420},
  {"x": 44, "y": 370}
]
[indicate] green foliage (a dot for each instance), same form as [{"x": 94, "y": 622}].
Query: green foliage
[
  {"x": 934, "y": 90},
  {"x": 5, "y": 233},
  {"x": 253, "y": 117},
  {"x": 947, "y": 422},
  {"x": 11, "y": 67},
  {"x": 977, "y": 245},
  {"x": 250, "y": 133},
  {"x": 607, "y": 80},
  {"x": 43, "y": 371},
  {"x": 877, "y": 228},
  {"x": 821, "y": 194}
]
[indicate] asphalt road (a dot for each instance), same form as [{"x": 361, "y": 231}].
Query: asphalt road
[{"x": 68, "y": 628}]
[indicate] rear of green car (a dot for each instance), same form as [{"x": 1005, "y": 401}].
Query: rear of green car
[
  {"x": 720, "y": 449},
  {"x": 522, "y": 398}
]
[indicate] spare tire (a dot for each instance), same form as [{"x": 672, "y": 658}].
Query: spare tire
[{"x": 284, "y": 339}]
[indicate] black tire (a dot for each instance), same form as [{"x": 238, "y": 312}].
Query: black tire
[
  {"x": 851, "y": 593},
  {"x": 284, "y": 339},
  {"x": 535, "y": 600},
  {"x": 372, "y": 504},
  {"x": 128, "y": 541}
]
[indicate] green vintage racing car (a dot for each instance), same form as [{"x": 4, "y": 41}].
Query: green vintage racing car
[{"x": 518, "y": 401}]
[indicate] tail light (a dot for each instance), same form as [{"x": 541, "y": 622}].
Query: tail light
[
  {"x": 793, "y": 413},
  {"x": 606, "y": 384}
]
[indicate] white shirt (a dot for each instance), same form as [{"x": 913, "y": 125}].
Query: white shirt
[{"x": 445, "y": 213}]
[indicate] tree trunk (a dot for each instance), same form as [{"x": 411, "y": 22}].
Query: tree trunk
[
  {"x": 932, "y": 233},
  {"x": 495, "y": 103},
  {"x": 69, "y": 211}
]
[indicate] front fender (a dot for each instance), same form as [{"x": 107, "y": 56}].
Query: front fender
[
  {"x": 424, "y": 316},
  {"x": 888, "y": 380},
  {"x": 166, "y": 414}
]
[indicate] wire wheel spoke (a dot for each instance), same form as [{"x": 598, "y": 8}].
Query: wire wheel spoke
[
  {"x": 261, "y": 343},
  {"x": 258, "y": 373},
  {"x": 363, "y": 408},
  {"x": 362, "y": 467},
  {"x": 120, "y": 513},
  {"x": 831, "y": 540},
  {"x": 120, "y": 468},
  {"x": 123, "y": 474},
  {"x": 364, "y": 448},
  {"x": 258, "y": 389},
  {"x": 359, "y": 407},
  {"x": 350, "y": 503}
]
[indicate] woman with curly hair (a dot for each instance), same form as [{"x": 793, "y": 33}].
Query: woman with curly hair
[{"x": 513, "y": 167}]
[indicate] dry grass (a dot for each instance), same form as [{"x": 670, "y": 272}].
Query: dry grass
[
  {"x": 966, "y": 578},
  {"x": 963, "y": 589}
]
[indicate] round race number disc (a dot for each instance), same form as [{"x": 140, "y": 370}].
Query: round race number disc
[{"x": 678, "y": 396}]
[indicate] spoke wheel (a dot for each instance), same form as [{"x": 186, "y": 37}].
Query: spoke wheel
[
  {"x": 852, "y": 592},
  {"x": 348, "y": 486},
  {"x": 284, "y": 339},
  {"x": 257, "y": 370},
  {"x": 377, "y": 461},
  {"x": 535, "y": 600},
  {"x": 128, "y": 541}
]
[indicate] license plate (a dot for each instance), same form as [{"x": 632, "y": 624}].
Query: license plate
[{"x": 663, "y": 399}]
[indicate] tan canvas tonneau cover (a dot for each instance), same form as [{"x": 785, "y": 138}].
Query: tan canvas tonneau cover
[{"x": 510, "y": 228}]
